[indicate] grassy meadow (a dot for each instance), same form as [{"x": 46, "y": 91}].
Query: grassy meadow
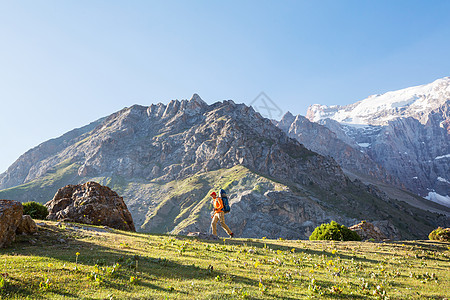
[{"x": 71, "y": 261}]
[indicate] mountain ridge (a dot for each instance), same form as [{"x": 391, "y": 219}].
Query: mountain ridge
[
  {"x": 407, "y": 132},
  {"x": 165, "y": 160}
]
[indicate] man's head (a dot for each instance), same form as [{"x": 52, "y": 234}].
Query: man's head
[{"x": 213, "y": 194}]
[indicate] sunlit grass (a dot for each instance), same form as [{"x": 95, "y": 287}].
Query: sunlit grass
[{"x": 61, "y": 262}]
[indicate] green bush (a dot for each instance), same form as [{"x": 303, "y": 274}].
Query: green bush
[
  {"x": 334, "y": 231},
  {"x": 35, "y": 210},
  {"x": 440, "y": 234}
]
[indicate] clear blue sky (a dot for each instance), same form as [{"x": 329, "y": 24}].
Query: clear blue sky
[{"x": 64, "y": 64}]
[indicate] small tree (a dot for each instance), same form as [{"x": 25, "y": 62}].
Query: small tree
[
  {"x": 35, "y": 210},
  {"x": 334, "y": 231}
]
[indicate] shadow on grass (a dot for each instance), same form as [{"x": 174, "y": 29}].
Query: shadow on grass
[
  {"x": 48, "y": 244},
  {"x": 261, "y": 244}
]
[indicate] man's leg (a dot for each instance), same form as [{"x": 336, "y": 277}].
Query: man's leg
[
  {"x": 221, "y": 217},
  {"x": 214, "y": 223}
]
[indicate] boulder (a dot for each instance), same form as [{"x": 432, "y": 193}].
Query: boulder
[
  {"x": 27, "y": 225},
  {"x": 90, "y": 203},
  {"x": 368, "y": 231},
  {"x": 10, "y": 218},
  {"x": 388, "y": 229}
]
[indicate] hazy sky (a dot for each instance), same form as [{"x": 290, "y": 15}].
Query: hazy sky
[{"x": 66, "y": 63}]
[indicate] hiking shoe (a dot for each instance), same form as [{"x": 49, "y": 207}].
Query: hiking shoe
[{"x": 232, "y": 235}]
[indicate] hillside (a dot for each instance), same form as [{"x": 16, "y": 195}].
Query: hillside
[
  {"x": 71, "y": 261},
  {"x": 165, "y": 160}
]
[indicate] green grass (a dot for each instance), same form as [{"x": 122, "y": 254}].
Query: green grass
[{"x": 124, "y": 265}]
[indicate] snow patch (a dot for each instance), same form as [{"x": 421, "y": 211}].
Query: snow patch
[
  {"x": 443, "y": 180},
  {"x": 443, "y": 156},
  {"x": 364, "y": 145},
  {"x": 435, "y": 197}
]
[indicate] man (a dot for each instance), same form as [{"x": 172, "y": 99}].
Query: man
[{"x": 219, "y": 215}]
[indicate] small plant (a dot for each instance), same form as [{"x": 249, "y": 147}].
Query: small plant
[
  {"x": 440, "y": 234},
  {"x": 96, "y": 275},
  {"x": 314, "y": 288},
  {"x": 335, "y": 290},
  {"x": 45, "y": 284},
  {"x": 262, "y": 287},
  {"x": 2, "y": 283},
  {"x": 35, "y": 210},
  {"x": 334, "y": 231},
  {"x": 124, "y": 245}
]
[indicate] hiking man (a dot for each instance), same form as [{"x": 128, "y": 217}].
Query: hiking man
[{"x": 219, "y": 215}]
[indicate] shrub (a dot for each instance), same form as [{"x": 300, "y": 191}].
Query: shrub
[
  {"x": 440, "y": 234},
  {"x": 35, "y": 210},
  {"x": 334, "y": 231}
]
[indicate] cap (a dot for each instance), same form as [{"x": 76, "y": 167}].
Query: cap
[{"x": 213, "y": 194}]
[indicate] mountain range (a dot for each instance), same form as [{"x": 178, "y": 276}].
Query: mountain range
[
  {"x": 407, "y": 132},
  {"x": 165, "y": 159}
]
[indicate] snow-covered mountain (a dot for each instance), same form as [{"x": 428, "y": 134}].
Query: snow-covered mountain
[
  {"x": 416, "y": 102},
  {"x": 407, "y": 132}
]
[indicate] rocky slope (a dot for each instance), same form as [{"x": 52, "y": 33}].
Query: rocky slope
[
  {"x": 343, "y": 149},
  {"x": 407, "y": 132},
  {"x": 331, "y": 140},
  {"x": 165, "y": 159}
]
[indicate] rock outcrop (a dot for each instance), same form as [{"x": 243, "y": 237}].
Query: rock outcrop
[
  {"x": 343, "y": 149},
  {"x": 367, "y": 231},
  {"x": 90, "y": 203},
  {"x": 27, "y": 225},
  {"x": 10, "y": 218}
]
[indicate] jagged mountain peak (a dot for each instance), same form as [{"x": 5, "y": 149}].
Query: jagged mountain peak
[
  {"x": 167, "y": 141},
  {"x": 287, "y": 115},
  {"x": 196, "y": 98}
]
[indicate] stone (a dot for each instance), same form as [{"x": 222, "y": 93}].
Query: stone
[
  {"x": 90, "y": 203},
  {"x": 367, "y": 231},
  {"x": 388, "y": 229},
  {"x": 203, "y": 236},
  {"x": 10, "y": 219},
  {"x": 27, "y": 225}
]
